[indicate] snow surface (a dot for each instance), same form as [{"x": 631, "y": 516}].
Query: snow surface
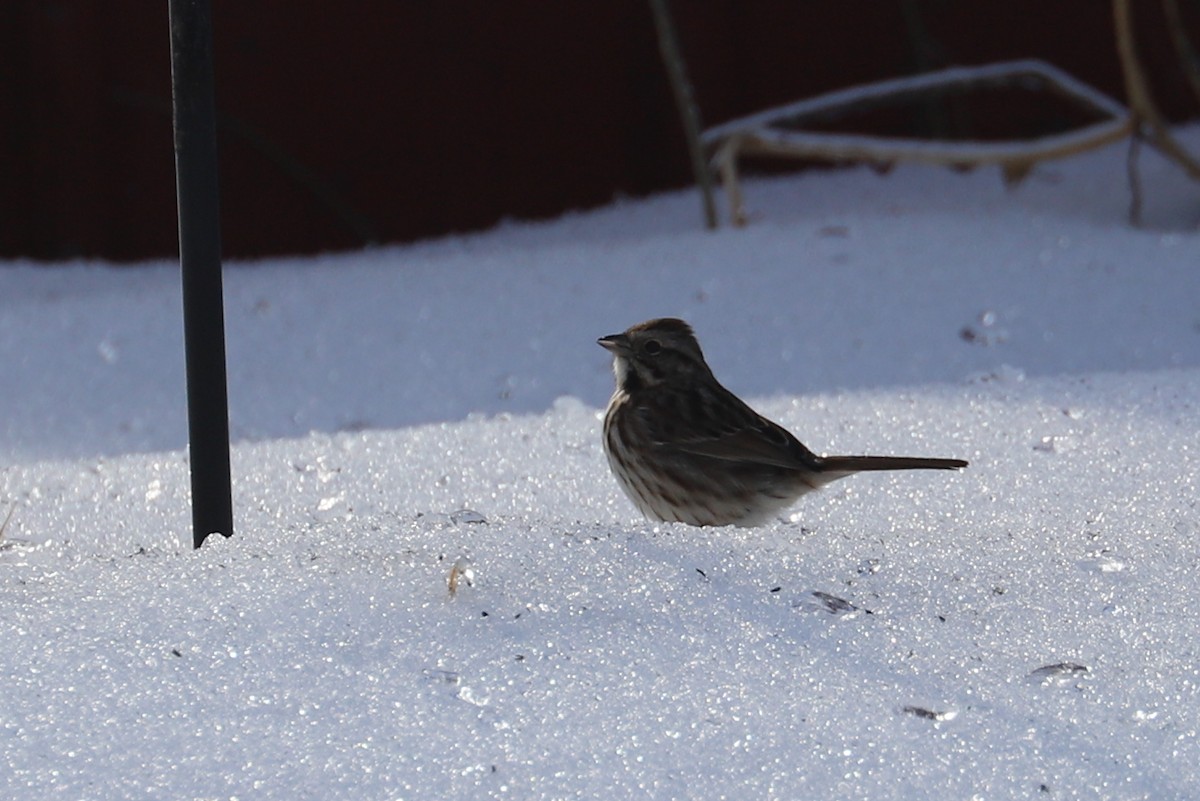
[{"x": 1028, "y": 627}]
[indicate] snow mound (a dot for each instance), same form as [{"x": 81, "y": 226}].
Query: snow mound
[{"x": 1023, "y": 627}]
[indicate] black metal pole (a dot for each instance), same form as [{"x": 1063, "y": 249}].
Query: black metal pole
[{"x": 200, "y": 263}]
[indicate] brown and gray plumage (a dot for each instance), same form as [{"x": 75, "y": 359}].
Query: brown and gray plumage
[{"x": 684, "y": 448}]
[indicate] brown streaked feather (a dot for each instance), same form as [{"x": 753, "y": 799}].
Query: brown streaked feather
[
  {"x": 719, "y": 425},
  {"x": 766, "y": 444}
]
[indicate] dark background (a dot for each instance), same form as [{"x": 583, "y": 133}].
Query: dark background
[{"x": 389, "y": 120}]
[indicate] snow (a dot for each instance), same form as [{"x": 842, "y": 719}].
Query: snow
[{"x": 1024, "y": 628}]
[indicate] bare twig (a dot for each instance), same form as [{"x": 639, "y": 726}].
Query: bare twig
[
  {"x": 776, "y": 132},
  {"x": 1135, "y": 179},
  {"x": 1141, "y": 104},
  {"x": 7, "y": 518},
  {"x": 668, "y": 45}
]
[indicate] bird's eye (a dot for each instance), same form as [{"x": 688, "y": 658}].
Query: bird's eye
[{"x": 652, "y": 348}]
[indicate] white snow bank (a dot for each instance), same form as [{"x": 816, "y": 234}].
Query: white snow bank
[{"x": 1026, "y": 623}]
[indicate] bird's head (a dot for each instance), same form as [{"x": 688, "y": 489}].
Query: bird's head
[{"x": 655, "y": 352}]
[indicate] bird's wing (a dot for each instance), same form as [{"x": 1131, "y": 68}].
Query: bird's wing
[
  {"x": 768, "y": 444},
  {"x": 734, "y": 432}
]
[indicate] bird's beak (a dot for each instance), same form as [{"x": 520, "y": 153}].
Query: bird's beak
[{"x": 618, "y": 344}]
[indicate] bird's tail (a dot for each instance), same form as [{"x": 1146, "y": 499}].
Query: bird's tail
[{"x": 855, "y": 464}]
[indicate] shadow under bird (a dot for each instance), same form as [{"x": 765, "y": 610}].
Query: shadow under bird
[{"x": 685, "y": 449}]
